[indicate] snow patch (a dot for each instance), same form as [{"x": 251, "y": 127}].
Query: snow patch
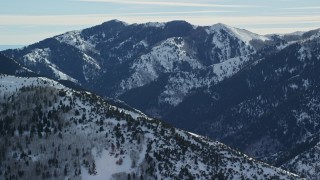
[
  {"x": 106, "y": 166},
  {"x": 304, "y": 53},
  {"x": 10, "y": 84},
  {"x": 293, "y": 86},
  {"x": 228, "y": 68},
  {"x": 75, "y": 39},
  {"x": 91, "y": 61},
  {"x": 155, "y": 24},
  {"x": 165, "y": 58},
  {"x": 37, "y": 55}
]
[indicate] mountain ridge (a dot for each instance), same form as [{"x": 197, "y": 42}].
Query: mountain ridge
[{"x": 73, "y": 134}]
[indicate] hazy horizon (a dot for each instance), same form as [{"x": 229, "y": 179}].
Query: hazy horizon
[{"x": 14, "y": 46}]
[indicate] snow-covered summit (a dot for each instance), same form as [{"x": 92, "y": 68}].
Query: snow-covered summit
[
  {"x": 242, "y": 34},
  {"x": 154, "y": 24}
]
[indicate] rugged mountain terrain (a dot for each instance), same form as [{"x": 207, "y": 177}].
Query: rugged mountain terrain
[
  {"x": 50, "y": 131},
  {"x": 269, "y": 110},
  {"x": 256, "y": 93},
  {"x": 114, "y": 58}
]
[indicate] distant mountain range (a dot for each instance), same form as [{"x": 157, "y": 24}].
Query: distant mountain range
[
  {"x": 255, "y": 93},
  {"x": 4, "y": 47}
]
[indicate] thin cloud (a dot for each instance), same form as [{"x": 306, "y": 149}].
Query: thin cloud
[
  {"x": 70, "y": 21},
  {"x": 290, "y": 13},
  {"x": 26, "y": 38},
  {"x": 303, "y": 8},
  {"x": 93, "y": 19},
  {"x": 179, "y": 12},
  {"x": 264, "y": 31},
  {"x": 166, "y": 3}
]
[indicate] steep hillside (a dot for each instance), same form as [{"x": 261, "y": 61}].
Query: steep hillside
[
  {"x": 9, "y": 66},
  {"x": 306, "y": 163},
  {"x": 50, "y": 131},
  {"x": 269, "y": 110}
]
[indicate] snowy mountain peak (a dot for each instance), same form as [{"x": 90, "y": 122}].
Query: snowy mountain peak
[
  {"x": 116, "y": 21},
  {"x": 242, "y": 34},
  {"x": 219, "y": 26}
]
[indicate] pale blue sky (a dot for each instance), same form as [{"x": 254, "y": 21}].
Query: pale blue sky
[{"x": 28, "y": 21}]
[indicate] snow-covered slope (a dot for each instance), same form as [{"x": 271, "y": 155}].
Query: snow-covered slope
[
  {"x": 10, "y": 66},
  {"x": 74, "y": 38},
  {"x": 113, "y": 58},
  {"x": 223, "y": 34},
  {"x": 307, "y": 163},
  {"x": 181, "y": 84},
  {"x": 176, "y": 57},
  {"x": 269, "y": 109},
  {"x": 169, "y": 57},
  {"x": 143, "y": 53},
  {"x": 42, "y": 56},
  {"x": 50, "y": 131}
]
